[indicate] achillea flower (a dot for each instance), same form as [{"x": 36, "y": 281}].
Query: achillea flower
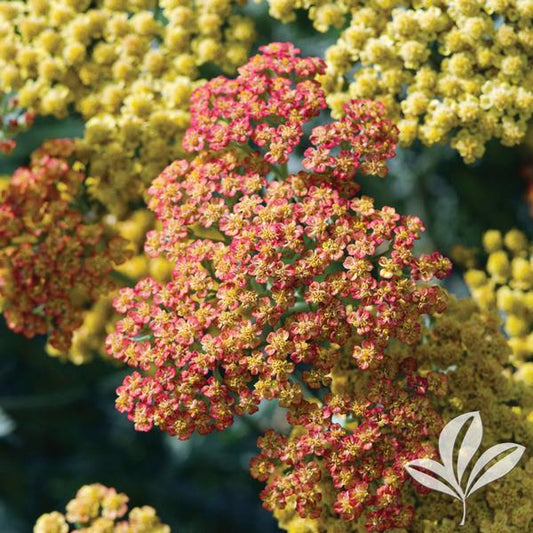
[
  {"x": 55, "y": 256},
  {"x": 467, "y": 341},
  {"x": 350, "y": 473},
  {"x": 274, "y": 275},
  {"x": 12, "y": 121},
  {"x": 88, "y": 341},
  {"x": 505, "y": 284},
  {"x": 465, "y": 65},
  {"x": 96, "y": 509},
  {"x": 128, "y": 67},
  {"x": 236, "y": 111},
  {"x": 358, "y": 482}
]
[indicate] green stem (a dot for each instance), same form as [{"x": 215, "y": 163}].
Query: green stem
[
  {"x": 122, "y": 279},
  {"x": 281, "y": 171}
]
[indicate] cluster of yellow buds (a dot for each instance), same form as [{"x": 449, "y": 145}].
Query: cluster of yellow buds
[
  {"x": 127, "y": 66},
  {"x": 88, "y": 340},
  {"x": 468, "y": 341},
  {"x": 100, "y": 509},
  {"x": 505, "y": 284},
  {"x": 448, "y": 70}
]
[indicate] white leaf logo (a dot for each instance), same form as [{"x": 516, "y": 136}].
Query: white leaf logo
[{"x": 452, "y": 474}]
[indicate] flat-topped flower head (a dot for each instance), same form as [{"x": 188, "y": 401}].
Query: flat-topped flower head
[
  {"x": 267, "y": 106},
  {"x": 274, "y": 275},
  {"x": 97, "y": 509},
  {"x": 454, "y": 71},
  {"x": 55, "y": 254},
  {"x": 274, "y": 94},
  {"x": 350, "y": 476}
]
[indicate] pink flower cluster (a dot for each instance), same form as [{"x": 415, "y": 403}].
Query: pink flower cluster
[
  {"x": 277, "y": 277},
  {"x": 267, "y": 106},
  {"x": 354, "y": 465},
  {"x": 54, "y": 258},
  {"x": 274, "y": 95}
]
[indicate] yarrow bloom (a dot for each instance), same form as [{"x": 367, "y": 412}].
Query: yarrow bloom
[
  {"x": 127, "y": 67},
  {"x": 350, "y": 473},
  {"x": 88, "y": 340},
  {"x": 12, "y": 121},
  {"x": 274, "y": 275},
  {"x": 236, "y": 111},
  {"x": 350, "y": 478},
  {"x": 55, "y": 255},
  {"x": 453, "y": 71},
  {"x": 97, "y": 509}
]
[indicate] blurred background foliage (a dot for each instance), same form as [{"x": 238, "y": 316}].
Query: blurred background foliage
[{"x": 58, "y": 426}]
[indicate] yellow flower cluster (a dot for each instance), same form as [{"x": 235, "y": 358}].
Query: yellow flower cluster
[
  {"x": 127, "y": 67},
  {"x": 448, "y": 70},
  {"x": 100, "y": 509},
  {"x": 89, "y": 340},
  {"x": 468, "y": 343},
  {"x": 506, "y": 284}
]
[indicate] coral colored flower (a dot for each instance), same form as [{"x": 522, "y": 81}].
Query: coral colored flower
[
  {"x": 360, "y": 459},
  {"x": 263, "y": 291},
  {"x": 55, "y": 255},
  {"x": 384, "y": 418}
]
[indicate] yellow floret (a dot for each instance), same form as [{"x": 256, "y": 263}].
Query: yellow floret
[
  {"x": 498, "y": 266},
  {"x": 492, "y": 241},
  {"x": 525, "y": 373},
  {"x": 516, "y": 326},
  {"x": 522, "y": 273},
  {"x": 475, "y": 278},
  {"x": 516, "y": 241}
]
